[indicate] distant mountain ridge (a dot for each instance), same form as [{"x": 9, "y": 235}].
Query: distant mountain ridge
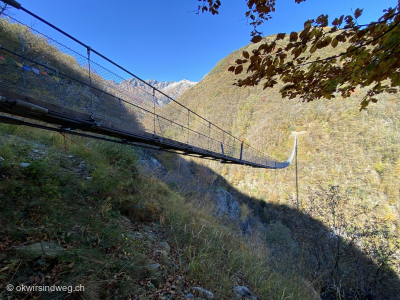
[{"x": 173, "y": 89}]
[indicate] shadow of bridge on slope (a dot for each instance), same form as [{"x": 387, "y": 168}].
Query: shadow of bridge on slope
[{"x": 338, "y": 268}]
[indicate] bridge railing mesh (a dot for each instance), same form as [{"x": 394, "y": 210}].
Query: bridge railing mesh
[{"x": 39, "y": 66}]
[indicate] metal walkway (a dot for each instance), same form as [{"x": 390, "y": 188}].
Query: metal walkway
[{"x": 43, "y": 80}]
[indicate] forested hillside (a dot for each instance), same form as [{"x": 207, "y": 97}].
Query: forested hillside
[
  {"x": 342, "y": 151},
  {"x": 338, "y": 143}
]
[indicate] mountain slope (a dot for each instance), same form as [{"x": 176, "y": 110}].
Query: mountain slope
[
  {"x": 344, "y": 154},
  {"x": 339, "y": 142}
]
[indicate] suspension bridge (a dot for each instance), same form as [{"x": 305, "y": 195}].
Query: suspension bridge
[{"x": 47, "y": 85}]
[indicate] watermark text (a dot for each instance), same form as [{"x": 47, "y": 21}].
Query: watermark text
[{"x": 46, "y": 288}]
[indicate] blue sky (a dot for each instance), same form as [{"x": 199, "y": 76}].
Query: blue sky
[{"x": 165, "y": 40}]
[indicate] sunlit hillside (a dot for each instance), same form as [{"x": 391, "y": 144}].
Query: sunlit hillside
[{"x": 355, "y": 152}]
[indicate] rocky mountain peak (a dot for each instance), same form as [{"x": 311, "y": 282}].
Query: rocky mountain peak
[{"x": 172, "y": 88}]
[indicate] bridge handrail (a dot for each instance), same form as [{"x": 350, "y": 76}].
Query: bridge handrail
[{"x": 17, "y": 5}]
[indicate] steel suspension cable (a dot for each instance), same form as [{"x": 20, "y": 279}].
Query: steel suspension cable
[{"x": 17, "y": 5}]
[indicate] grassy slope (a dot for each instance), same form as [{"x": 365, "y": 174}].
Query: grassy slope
[{"x": 110, "y": 219}]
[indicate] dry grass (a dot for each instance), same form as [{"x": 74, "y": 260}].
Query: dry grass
[{"x": 100, "y": 253}]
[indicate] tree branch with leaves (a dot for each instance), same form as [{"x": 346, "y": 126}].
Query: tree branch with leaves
[{"x": 366, "y": 56}]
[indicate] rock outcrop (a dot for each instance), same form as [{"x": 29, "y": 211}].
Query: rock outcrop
[
  {"x": 227, "y": 206},
  {"x": 148, "y": 164}
]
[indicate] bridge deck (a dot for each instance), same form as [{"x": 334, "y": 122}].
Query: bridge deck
[
  {"x": 60, "y": 86},
  {"x": 73, "y": 121}
]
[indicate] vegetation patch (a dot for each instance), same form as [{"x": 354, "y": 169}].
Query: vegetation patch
[{"x": 71, "y": 218}]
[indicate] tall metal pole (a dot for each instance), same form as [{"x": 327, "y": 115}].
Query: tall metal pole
[
  {"x": 90, "y": 83},
  {"x": 154, "y": 111},
  {"x": 297, "y": 182},
  {"x": 241, "y": 151},
  {"x": 209, "y": 136},
  {"x": 188, "y": 124}
]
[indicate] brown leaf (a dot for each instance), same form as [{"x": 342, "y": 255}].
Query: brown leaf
[
  {"x": 357, "y": 13},
  {"x": 238, "y": 69},
  {"x": 341, "y": 38},
  {"x": 322, "y": 20},
  {"x": 298, "y": 52},
  {"x": 349, "y": 20},
  {"x": 246, "y": 54},
  {"x": 293, "y": 36},
  {"x": 327, "y": 40},
  {"x": 289, "y": 46},
  {"x": 280, "y": 36},
  {"x": 313, "y": 48},
  {"x": 338, "y": 21},
  {"x": 256, "y": 39},
  {"x": 254, "y": 58},
  {"x": 320, "y": 44},
  {"x": 307, "y": 24},
  {"x": 270, "y": 70},
  {"x": 334, "y": 43}
]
